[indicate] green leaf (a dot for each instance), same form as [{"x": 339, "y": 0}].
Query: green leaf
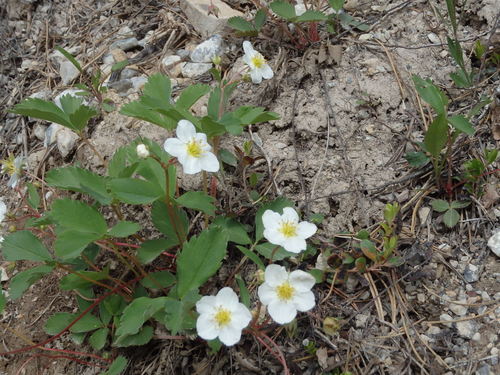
[
  {"x": 24, "y": 279},
  {"x": 158, "y": 86},
  {"x": 228, "y": 157},
  {"x": 336, "y": 4},
  {"x": 117, "y": 366},
  {"x": 369, "y": 250},
  {"x": 319, "y": 275},
  {"x": 114, "y": 304},
  {"x": 180, "y": 315},
  {"x": 416, "y": 159},
  {"x": 74, "y": 281},
  {"x": 461, "y": 78},
  {"x": 277, "y": 205},
  {"x": 141, "y": 338},
  {"x": 98, "y": 339},
  {"x": 162, "y": 279},
  {"x": 311, "y": 16},
  {"x": 450, "y": 218},
  {"x": 43, "y": 110},
  {"x": 460, "y": 123},
  {"x": 144, "y": 112},
  {"x": 78, "y": 338},
  {"x": 191, "y": 95},
  {"x": 240, "y": 24},
  {"x": 33, "y": 196},
  {"x": 260, "y": 19},
  {"x": 252, "y": 256},
  {"x": 58, "y": 322},
  {"x": 200, "y": 258},
  {"x": 135, "y": 191},
  {"x": 162, "y": 221},
  {"x": 234, "y": 229},
  {"x": 431, "y": 94},
  {"x": 80, "y": 180},
  {"x": 363, "y": 235},
  {"x": 70, "y": 57},
  {"x": 78, "y": 113},
  {"x": 283, "y": 9},
  {"x": 440, "y": 205},
  {"x": 269, "y": 250},
  {"x": 119, "y": 65},
  {"x": 23, "y": 245},
  {"x": 456, "y": 52},
  {"x": 79, "y": 216},
  {"x": 124, "y": 229},
  {"x": 87, "y": 323},
  {"x": 457, "y": 204},
  {"x": 3, "y": 301},
  {"x": 437, "y": 136},
  {"x": 137, "y": 313},
  {"x": 490, "y": 155},
  {"x": 244, "y": 294},
  {"x": 151, "y": 249},
  {"x": 78, "y": 225},
  {"x": 198, "y": 200},
  {"x": 360, "y": 264}
]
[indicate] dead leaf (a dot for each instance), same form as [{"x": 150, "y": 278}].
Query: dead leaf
[
  {"x": 335, "y": 53},
  {"x": 490, "y": 196},
  {"x": 322, "y": 355}
]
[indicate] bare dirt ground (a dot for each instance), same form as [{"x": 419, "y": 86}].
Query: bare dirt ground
[{"x": 337, "y": 151}]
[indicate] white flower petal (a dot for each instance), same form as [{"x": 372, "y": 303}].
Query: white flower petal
[
  {"x": 267, "y": 72},
  {"x": 306, "y": 229},
  {"x": 256, "y": 76},
  {"x": 304, "y": 301},
  {"x": 175, "y": 147},
  {"x": 209, "y": 162},
  {"x": 274, "y": 236},
  {"x": 294, "y": 244},
  {"x": 227, "y": 298},
  {"x": 282, "y": 313},
  {"x": 229, "y": 335},
  {"x": 190, "y": 165},
  {"x": 302, "y": 281},
  {"x": 247, "y": 60},
  {"x": 267, "y": 293},
  {"x": 3, "y": 210},
  {"x": 289, "y": 214},
  {"x": 206, "y": 305},
  {"x": 206, "y": 327},
  {"x": 241, "y": 316},
  {"x": 185, "y": 130},
  {"x": 271, "y": 219},
  {"x": 275, "y": 275},
  {"x": 202, "y": 138},
  {"x": 247, "y": 47}
]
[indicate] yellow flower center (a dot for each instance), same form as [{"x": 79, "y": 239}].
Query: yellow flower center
[
  {"x": 288, "y": 229},
  {"x": 194, "y": 149},
  {"x": 258, "y": 60},
  {"x": 8, "y": 166},
  {"x": 285, "y": 291},
  {"x": 222, "y": 317}
]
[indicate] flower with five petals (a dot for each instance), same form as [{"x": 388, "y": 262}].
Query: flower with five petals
[{"x": 191, "y": 149}]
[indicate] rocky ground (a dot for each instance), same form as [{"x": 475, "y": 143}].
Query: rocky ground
[{"x": 348, "y": 111}]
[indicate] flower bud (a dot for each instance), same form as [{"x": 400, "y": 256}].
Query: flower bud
[
  {"x": 142, "y": 151},
  {"x": 259, "y": 275},
  {"x": 217, "y": 60}
]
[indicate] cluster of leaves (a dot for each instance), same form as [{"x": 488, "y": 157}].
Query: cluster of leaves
[
  {"x": 439, "y": 136},
  {"x": 450, "y": 215},
  {"x": 475, "y": 171},
  {"x": 288, "y": 13},
  {"x": 369, "y": 252}
]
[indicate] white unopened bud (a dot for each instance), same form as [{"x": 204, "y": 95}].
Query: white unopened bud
[{"x": 142, "y": 151}]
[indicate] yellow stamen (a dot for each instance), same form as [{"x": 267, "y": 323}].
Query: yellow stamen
[
  {"x": 288, "y": 229},
  {"x": 8, "y": 166},
  {"x": 223, "y": 317},
  {"x": 285, "y": 291},
  {"x": 194, "y": 149},
  {"x": 258, "y": 60}
]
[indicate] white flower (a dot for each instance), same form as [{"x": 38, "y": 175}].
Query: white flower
[
  {"x": 14, "y": 168},
  {"x": 285, "y": 230},
  {"x": 285, "y": 293},
  {"x": 191, "y": 149},
  {"x": 222, "y": 316},
  {"x": 259, "y": 68},
  {"x": 142, "y": 151},
  {"x": 3, "y": 210}
]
